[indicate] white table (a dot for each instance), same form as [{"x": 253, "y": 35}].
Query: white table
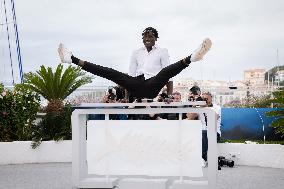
[{"x": 80, "y": 176}]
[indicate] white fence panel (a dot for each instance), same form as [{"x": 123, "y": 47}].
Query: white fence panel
[{"x": 144, "y": 147}]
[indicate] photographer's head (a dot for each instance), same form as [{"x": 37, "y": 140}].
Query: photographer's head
[
  {"x": 195, "y": 90},
  {"x": 111, "y": 98},
  {"x": 110, "y": 95},
  {"x": 207, "y": 96},
  {"x": 194, "y": 93}
]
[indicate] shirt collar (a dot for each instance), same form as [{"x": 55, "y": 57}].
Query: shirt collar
[{"x": 154, "y": 47}]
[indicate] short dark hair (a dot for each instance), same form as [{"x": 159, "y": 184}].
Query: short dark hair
[
  {"x": 150, "y": 29},
  {"x": 195, "y": 90}
]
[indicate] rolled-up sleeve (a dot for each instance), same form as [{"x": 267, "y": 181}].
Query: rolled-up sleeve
[
  {"x": 133, "y": 64},
  {"x": 165, "y": 58}
]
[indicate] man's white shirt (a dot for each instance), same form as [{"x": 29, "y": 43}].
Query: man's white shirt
[
  {"x": 217, "y": 109},
  {"x": 148, "y": 63}
]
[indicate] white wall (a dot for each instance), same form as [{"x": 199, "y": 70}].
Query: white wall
[
  {"x": 263, "y": 155},
  {"x": 21, "y": 152}
]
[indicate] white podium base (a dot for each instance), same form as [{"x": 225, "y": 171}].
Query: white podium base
[
  {"x": 186, "y": 184},
  {"x": 141, "y": 183},
  {"x": 98, "y": 183}
]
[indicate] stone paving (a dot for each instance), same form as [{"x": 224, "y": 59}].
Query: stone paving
[{"x": 58, "y": 176}]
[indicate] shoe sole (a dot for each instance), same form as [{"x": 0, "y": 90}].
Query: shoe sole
[
  {"x": 205, "y": 47},
  {"x": 59, "y": 50}
]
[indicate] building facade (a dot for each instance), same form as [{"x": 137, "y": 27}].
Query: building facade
[{"x": 254, "y": 76}]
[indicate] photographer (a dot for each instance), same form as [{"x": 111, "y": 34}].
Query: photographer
[
  {"x": 175, "y": 97},
  {"x": 194, "y": 95},
  {"x": 206, "y": 96}
]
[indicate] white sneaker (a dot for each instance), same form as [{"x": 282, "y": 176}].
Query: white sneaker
[
  {"x": 64, "y": 54},
  {"x": 201, "y": 50},
  {"x": 204, "y": 163}
]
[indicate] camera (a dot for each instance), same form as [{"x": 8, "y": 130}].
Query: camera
[
  {"x": 162, "y": 97},
  {"x": 111, "y": 94},
  {"x": 195, "y": 93},
  {"x": 223, "y": 161},
  {"x": 193, "y": 98}
]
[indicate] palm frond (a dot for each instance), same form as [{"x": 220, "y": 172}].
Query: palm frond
[
  {"x": 56, "y": 85},
  {"x": 279, "y": 112}
]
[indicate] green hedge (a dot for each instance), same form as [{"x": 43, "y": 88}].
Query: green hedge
[
  {"x": 258, "y": 141},
  {"x": 18, "y": 110}
]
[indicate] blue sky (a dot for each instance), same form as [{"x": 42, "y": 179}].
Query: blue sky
[{"x": 245, "y": 34}]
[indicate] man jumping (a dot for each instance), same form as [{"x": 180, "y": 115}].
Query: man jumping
[{"x": 140, "y": 86}]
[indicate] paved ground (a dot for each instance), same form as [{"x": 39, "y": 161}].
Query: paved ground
[{"x": 58, "y": 176}]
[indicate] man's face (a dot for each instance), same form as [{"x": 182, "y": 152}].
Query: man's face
[
  {"x": 149, "y": 39},
  {"x": 208, "y": 99},
  {"x": 176, "y": 97}
]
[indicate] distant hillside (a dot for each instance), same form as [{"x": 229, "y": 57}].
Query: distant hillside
[{"x": 272, "y": 74}]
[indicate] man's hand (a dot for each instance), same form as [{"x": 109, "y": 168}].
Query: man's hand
[
  {"x": 168, "y": 100},
  {"x": 123, "y": 100},
  {"x": 169, "y": 87}
]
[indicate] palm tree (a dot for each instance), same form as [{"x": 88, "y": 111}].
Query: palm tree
[{"x": 55, "y": 87}]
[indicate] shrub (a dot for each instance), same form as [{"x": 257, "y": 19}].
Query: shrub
[
  {"x": 54, "y": 126},
  {"x": 18, "y": 110}
]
